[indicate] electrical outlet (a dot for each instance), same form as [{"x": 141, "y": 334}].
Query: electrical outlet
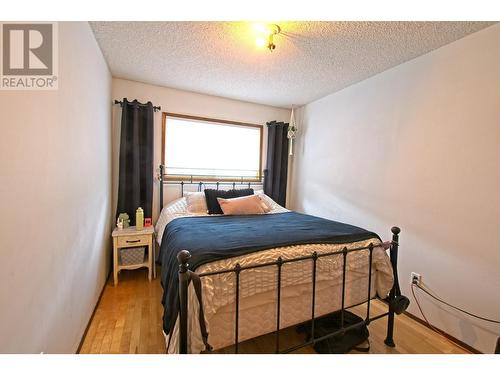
[{"x": 415, "y": 278}]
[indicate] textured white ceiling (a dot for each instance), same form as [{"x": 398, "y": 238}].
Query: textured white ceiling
[{"x": 311, "y": 60}]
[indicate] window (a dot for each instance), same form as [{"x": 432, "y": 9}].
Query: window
[{"x": 210, "y": 149}]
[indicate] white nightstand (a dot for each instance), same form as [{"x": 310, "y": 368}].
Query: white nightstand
[{"x": 131, "y": 237}]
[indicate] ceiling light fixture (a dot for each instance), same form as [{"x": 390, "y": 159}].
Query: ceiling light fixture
[{"x": 266, "y": 35}]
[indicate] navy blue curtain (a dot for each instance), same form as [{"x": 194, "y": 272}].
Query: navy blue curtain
[
  {"x": 276, "y": 172},
  {"x": 135, "y": 183}
]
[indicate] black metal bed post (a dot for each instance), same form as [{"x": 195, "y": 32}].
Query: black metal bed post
[
  {"x": 370, "y": 260},
  {"x": 389, "y": 340},
  {"x": 278, "y": 307},
  {"x": 183, "y": 257},
  {"x": 160, "y": 203},
  {"x": 237, "y": 270}
]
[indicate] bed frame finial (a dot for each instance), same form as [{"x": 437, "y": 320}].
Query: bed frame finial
[
  {"x": 183, "y": 258},
  {"x": 395, "y": 230}
]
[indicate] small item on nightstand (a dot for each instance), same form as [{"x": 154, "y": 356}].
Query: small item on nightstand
[
  {"x": 139, "y": 219},
  {"x": 119, "y": 223},
  {"x": 148, "y": 222},
  {"x": 124, "y": 219}
]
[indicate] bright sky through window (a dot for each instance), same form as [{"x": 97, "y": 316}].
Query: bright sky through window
[{"x": 202, "y": 148}]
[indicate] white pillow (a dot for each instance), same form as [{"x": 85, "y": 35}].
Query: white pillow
[
  {"x": 272, "y": 205},
  {"x": 196, "y": 202},
  {"x": 177, "y": 208}
]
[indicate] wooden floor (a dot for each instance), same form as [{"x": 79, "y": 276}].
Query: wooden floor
[{"x": 128, "y": 320}]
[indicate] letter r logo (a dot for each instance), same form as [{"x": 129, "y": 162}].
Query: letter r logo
[{"x": 27, "y": 49}]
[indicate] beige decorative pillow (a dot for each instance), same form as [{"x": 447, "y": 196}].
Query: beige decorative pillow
[
  {"x": 248, "y": 205},
  {"x": 196, "y": 202}
]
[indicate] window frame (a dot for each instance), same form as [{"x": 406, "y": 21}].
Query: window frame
[{"x": 201, "y": 178}]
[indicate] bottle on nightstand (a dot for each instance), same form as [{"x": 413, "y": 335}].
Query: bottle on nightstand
[{"x": 139, "y": 219}]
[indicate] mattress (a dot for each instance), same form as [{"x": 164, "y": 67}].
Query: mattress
[{"x": 258, "y": 287}]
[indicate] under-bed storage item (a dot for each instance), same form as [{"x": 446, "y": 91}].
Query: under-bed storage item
[{"x": 340, "y": 344}]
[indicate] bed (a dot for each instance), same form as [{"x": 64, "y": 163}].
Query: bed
[{"x": 262, "y": 273}]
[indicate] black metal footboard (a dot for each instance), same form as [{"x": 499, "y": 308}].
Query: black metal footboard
[{"x": 395, "y": 303}]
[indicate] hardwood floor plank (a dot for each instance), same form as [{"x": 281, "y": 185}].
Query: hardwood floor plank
[
  {"x": 128, "y": 319},
  {"x": 117, "y": 335},
  {"x": 99, "y": 336},
  {"x": 136, "y": 327}
]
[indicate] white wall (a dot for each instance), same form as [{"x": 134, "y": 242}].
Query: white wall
[
  {"x": 55, "y": 192},
  {"x": 184, "y": 102},
  {"x": 418, "y": 146}
]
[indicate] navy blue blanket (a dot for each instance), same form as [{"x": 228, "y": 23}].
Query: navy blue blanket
[{"x": 211, "y": 238}]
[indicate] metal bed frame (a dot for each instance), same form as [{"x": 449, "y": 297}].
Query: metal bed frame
[{"x": 396, "y": 303}]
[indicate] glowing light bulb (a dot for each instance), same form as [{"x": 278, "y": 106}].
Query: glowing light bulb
[
  {"x": 260, "y": 28},
  {"x": 264, "y": 35},
  {"x": 260, "y": 42}
]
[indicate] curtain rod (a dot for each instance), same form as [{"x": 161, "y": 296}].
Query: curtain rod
[{"x": 155, "y": 109}]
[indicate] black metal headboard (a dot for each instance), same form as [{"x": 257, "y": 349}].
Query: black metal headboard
[{"x": 193, "y": 180}]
